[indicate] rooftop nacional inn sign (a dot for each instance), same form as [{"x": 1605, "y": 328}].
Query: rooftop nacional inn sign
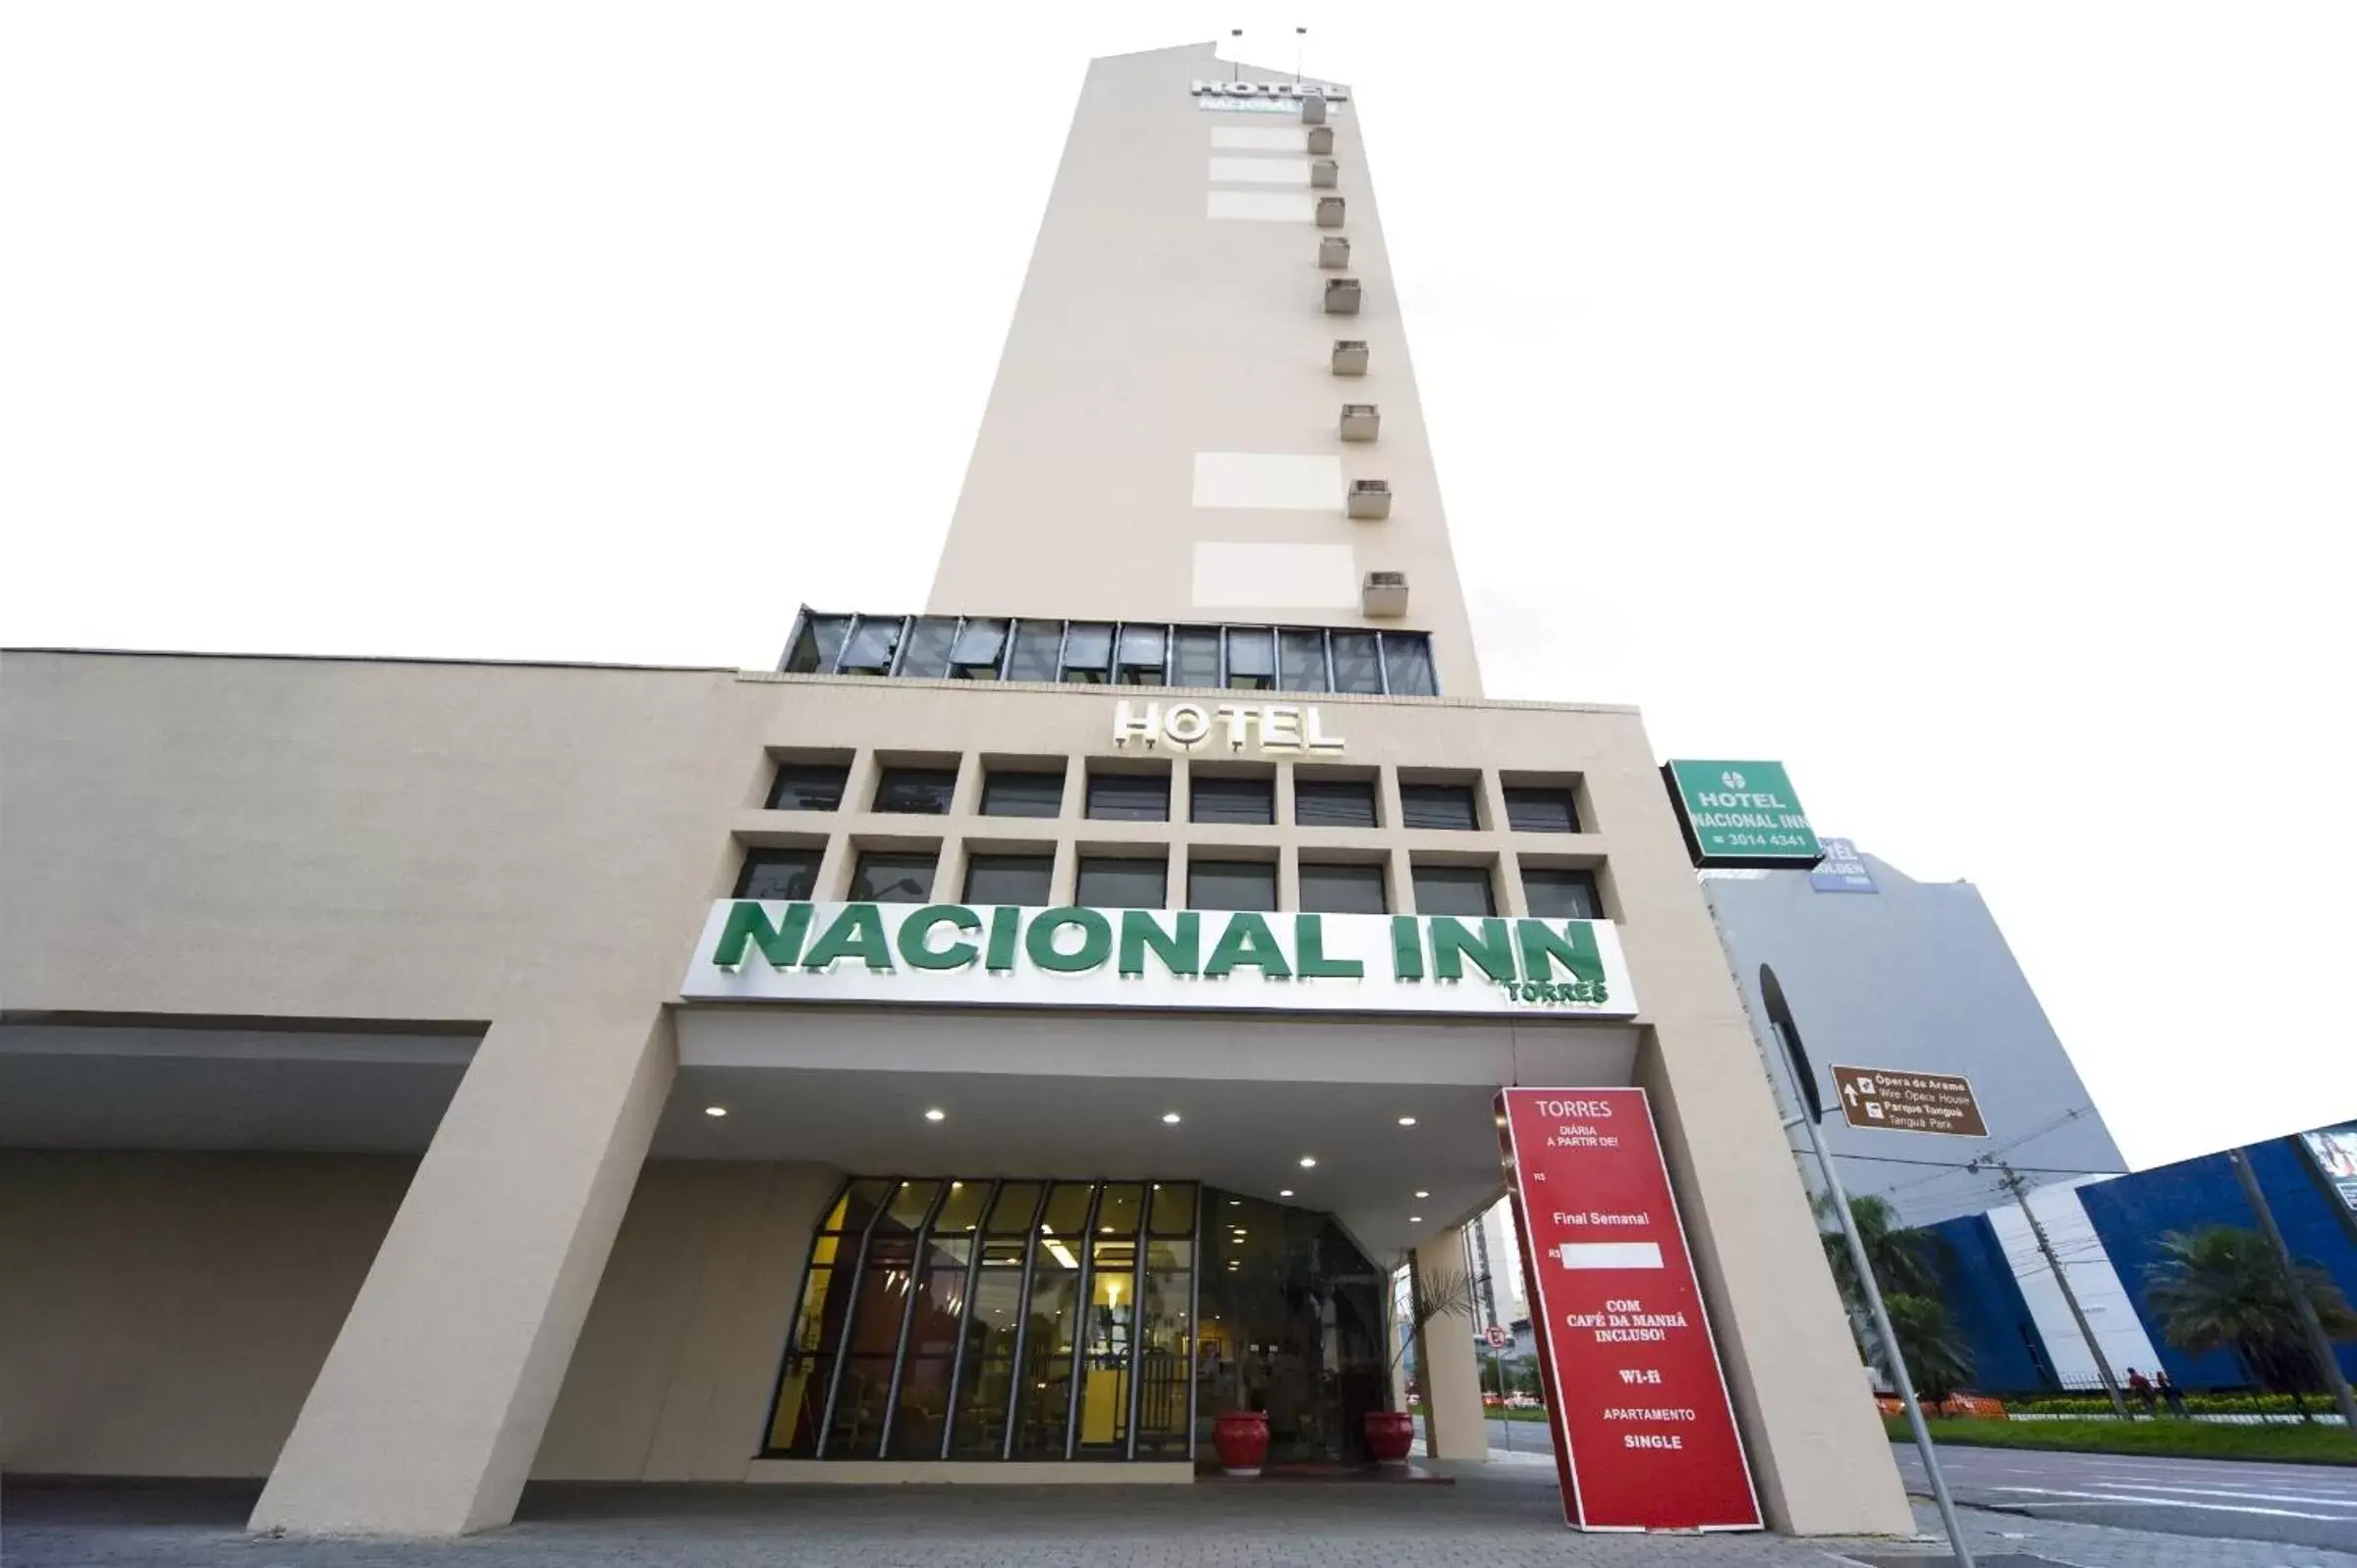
[
  {"x": 1184, "y": 958},
  {"x": 1742, "y": 813}
]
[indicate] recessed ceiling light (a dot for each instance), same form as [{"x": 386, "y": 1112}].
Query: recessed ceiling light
[
  {"x": 1308, "y": 1161},
  {"x": 1236, "y": 1203},
  {"x": 1169, "y": 1118},
  {"x": 1408, "y": 1121},
  {"x": 1285, "y": 1192},
  {"x": 716, "y": 1110},
  {"x": 935, "y": 1114},
  {"x": 1416, "y": 1220},
  {"x": 1423, "y": 1193}
]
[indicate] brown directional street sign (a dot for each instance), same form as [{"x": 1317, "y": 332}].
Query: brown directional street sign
[{"x": 1908, "y": 1101}]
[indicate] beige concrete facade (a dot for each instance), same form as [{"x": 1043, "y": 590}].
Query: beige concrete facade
[{"x": 355, "y": 1125}]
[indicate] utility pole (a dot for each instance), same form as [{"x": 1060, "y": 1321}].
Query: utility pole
[
  {"x": 2318, "y": 1347},
  {"x": 2070, "y": 1297}
]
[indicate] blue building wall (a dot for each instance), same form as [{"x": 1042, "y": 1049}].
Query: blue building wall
[
  {"x": 2130, "y": 1216},
  {"x": 1988, "y": 1308}
]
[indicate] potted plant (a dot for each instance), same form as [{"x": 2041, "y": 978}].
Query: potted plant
[
  {"x": 1433, "y": 1294},
  {"x": 1242, "y": 1439}
]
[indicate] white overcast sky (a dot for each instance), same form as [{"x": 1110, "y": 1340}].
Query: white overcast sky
[{"x": 1956, "y": 402}]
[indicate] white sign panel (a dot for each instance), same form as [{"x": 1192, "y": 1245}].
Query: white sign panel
[{"x": 1191, "y": 959}]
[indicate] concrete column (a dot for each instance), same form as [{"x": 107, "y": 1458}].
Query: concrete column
[
  {"x": 425, "y": 1418},
  {"x": 1455, "y": 1426}
]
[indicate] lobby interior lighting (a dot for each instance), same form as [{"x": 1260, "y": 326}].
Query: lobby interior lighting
[
  {"x": 1308, "y": 1161},
  {"x": 1416, "y": 1220},
  {"x": 1169, "y": 1118},
  {"x": 1285, "y": 1192},
  {"x": 1422, "y": 1194},
  {"x": 935, "y": 1114},
  {"x": 716, "y": 1110},
  {"x": 1408, "y": 1121}
]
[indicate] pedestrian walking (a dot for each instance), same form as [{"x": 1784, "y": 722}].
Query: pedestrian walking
[
  {"x": 2140, "y": 1390},
  {"x": 2169, "y": 1391}
]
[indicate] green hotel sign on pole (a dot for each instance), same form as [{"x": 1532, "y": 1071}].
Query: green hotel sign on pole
[{"x": 1742, "y": 813}]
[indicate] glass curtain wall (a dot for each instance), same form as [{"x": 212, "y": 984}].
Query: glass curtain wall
[{"x": 994, "y": 1319}]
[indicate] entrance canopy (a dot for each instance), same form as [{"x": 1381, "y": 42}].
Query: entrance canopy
[{"x": 1394, "y": 1117}]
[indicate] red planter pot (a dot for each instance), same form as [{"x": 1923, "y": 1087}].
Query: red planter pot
[
  {"x": 1389, "y": 1434},
  {"x": 1242, "y": 1439}
]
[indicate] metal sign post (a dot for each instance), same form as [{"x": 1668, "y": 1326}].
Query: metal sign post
[
  {"x": 1787, "y": 1034},
  {"x": 1498, "y": 1339}
]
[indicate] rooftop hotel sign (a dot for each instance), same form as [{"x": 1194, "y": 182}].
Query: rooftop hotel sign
[
  {"x": 1183, "y": 959},
  {"x": 1279, "y": 728},
  {"x": 1293, "y": 90}
]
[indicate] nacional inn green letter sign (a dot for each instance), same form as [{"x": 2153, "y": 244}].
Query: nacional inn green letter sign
[
  {"x": 1190, "y": 958},
  {"x": 1742, "y": 813}
]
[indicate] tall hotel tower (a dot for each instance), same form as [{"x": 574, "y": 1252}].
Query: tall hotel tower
[{"x": 1002, "y": 1038}]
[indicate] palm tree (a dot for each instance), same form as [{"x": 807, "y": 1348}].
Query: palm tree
[
  {"x": 1901, "y": 1257},
  {"x": 2218, "y": 1287},
  {"x": 1938, "y": 1358}
]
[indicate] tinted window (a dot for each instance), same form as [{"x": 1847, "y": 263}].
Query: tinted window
[
  {"x": 1197, "y": 659},
  {"x": 1407, "y": 661},
  {"x": 1334, "y": 802},
  {"x": 1009, "y": 879},
  {"x": 1023, "y": 794},
  {"x": 1530, "y": 810},
  {"x": 1141, "y": 655},
  {"x": 923, "y": 790},
  {"x": 1087, "y": 651},
  {"x": 778, "y": 874},
  {"x": 1130, "y": 796},
  {"x": 1454, "y": 890},
  {"x": 1429, "y": 805},
  {"x": 894, "y": 878},
  {"x": 874, "y": 640},
  {"x": 1110, "y": 884},
  {"x": 1035, "y": 647},
  {"x": 1251, "y": 658},
  {"x": 1562, "y": 894},
  {"x": 1356, "y": 665},
  {"x": 809, "y": 786},
  {"x": 977, "y": 653},
  {"x": 816, "y": 645},
  {"x": 927, "y": 656},
  {"x": 1231, "y": 884},
  {"x": 1302, "y": 661},
  {"x": 1217, "y": 799},
  {"x": 1343, "y": 890}
]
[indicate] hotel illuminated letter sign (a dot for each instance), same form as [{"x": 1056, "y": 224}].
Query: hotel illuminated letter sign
[{"x": 1279, "y": 728}]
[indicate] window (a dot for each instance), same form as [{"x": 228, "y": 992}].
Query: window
[
  {"x": 1302, "y": 661},
  {"x": 927, "y": 654},
  {"x": 1437, "y": 805},
  {"x": 1009, "y": 879},
  {"x": 1231, "y": 884},
  {"x": 873, "y": 642},
  {"x": 809, "y": 786},
  {"x": 1140, "y": 663},
  {"x": 894, "y": 878},
  {"x": 1333, "y": 802},
  {"x": 1222, "y": 799},
  {"x": 975, "y": 655},
  {"x": 924, "y": 792},
  {"x": 1357, "y": 667},
  {"x": 1088, "y": 652},
  {"x": 1343, "y": 888},
  {"x": 816, "y": 644},
  {"x": 778, "y": 874},
  {"x": 1454, "y": 891},
  {"x": 1130, "y": 796},
  {"x": 1023, "y": 794},
  {"x": 1251, "y": 658},
  {"x": 1108, "y": 883},
  {"x": 1540, "y": 810},
  {"x": 1036, "y": 645},
  {"x": 1195, "y": 657},
  {"x": 1408, "y": 665},
  {"x": 1561, "y": 894}
]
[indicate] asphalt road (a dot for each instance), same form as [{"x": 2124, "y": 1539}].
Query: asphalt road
[{"x": 2307, "y": 1506}]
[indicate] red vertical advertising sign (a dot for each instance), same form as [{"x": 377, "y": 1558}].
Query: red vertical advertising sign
[{"x": 1645, "y": 1435}]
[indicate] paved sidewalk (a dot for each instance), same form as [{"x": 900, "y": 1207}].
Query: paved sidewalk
[{"x": 1501, "y": 1516}]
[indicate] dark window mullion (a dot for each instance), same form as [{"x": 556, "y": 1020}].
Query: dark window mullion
[
  {"x": 973, "y": 1286},
  {"x": 1088, "y": 1274},
  {"x": 917, "y": 1270},
  {"x": 793, "y": 1341},
  {"x": 1194, "y": 1309},
  {"x": 851, "y": 1314},
  {"x": 1023, "y": 1320},
  {"x": 1137, "y": 1313}
]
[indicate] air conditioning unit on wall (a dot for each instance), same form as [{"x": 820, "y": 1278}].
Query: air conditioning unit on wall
[
  {"x": 1383, "y": 594},
  {"x": 1370, "y": 499}
]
